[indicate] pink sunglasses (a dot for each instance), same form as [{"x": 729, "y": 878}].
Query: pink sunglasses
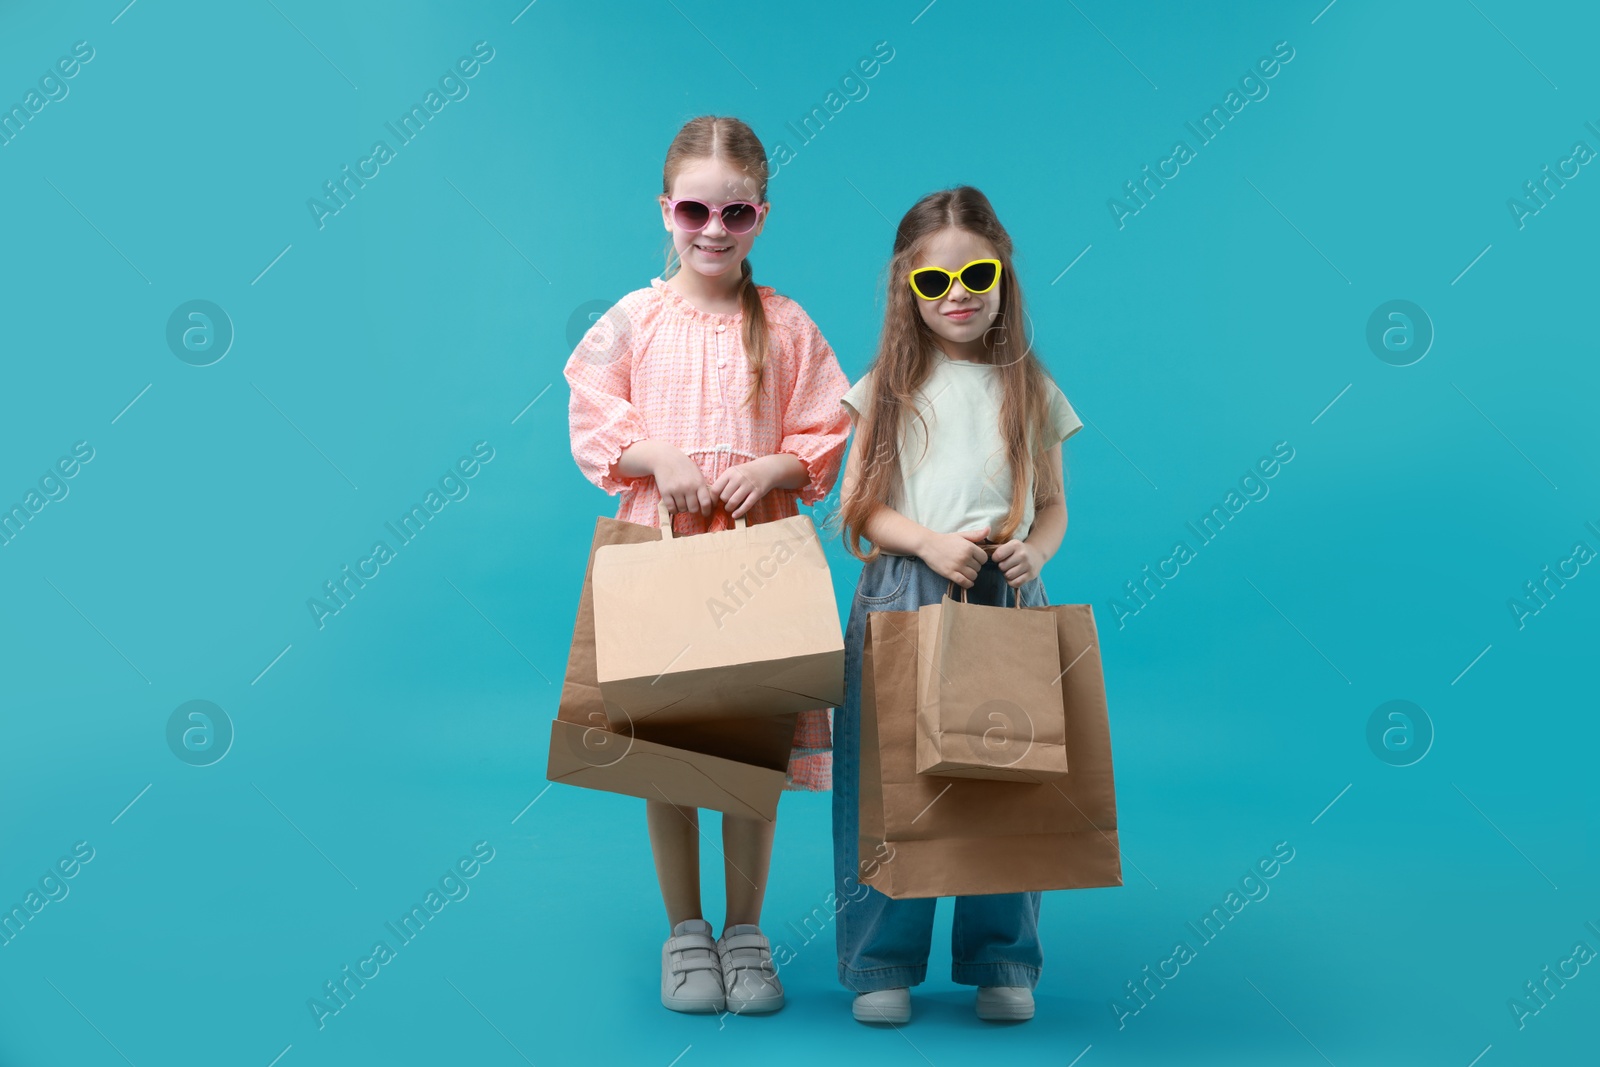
[{"x": 692, "y": 216}]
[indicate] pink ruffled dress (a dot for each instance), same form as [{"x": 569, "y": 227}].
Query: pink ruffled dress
[{"x": 657, "y": 367}]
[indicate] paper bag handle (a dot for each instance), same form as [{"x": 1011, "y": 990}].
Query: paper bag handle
[
  {"x": 950, "y": 592},
  {"x": 665, "y": 518}
]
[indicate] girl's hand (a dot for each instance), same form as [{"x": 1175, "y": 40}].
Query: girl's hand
[
  {"x": 956, "y": 556},
  {"x": 741, "y": 486},
  {"x": 1019, "y": 561},
  {"x": 681, "y": 483}
]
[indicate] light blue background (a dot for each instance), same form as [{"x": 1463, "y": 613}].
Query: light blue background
[{"x": 428, "y": 315}]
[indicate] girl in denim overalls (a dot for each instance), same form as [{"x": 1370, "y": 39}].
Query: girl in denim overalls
[{"x": 955, "y": 476}]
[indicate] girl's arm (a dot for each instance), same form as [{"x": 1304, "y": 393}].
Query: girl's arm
[
  {"x": 684, "y": 487},
  {"x": 609, "y": 436},
  {"x": 741, "y": 486},
  {"x": 1021, "y": 561},
  {"x": 954, "y": 556},
  {"x": 681, "y": 483}
]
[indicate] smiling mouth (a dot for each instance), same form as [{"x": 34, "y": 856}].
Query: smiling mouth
[
  {"x": 962, "y": 315},
  {"x": 715, "y": 249}
]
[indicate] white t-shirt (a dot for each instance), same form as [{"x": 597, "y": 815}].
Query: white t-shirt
[{"x": 955, "y": 476}]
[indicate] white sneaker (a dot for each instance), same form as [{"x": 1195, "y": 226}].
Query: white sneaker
[
  {"x": 1005, "y": 1003},
  {"x": 748, "y": 973},
  {"x": 883, "y": 1006},
  {"x": 691, "y": 973}
]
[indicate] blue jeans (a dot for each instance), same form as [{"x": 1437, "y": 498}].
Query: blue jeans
[{"x": 883, "y": 943}]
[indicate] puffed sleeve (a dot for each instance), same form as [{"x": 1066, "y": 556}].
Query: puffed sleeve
[
  {"x": 601, "y": 415},
  {"x": 815, "y": 424}
]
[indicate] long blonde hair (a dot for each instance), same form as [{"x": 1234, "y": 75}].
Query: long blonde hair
[
  {"x": 905, "y": 359},
  {"x": 730, "y": 140}
]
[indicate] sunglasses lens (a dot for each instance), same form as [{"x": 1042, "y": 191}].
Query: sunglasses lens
[
  {"x": 979, "y": 277},
  {"x": 930, "y": 284},
  {"x": 739, "y": 218},
  {"x": 691, "y": 215}
]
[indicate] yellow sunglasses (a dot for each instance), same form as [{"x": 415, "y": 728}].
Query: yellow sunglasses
[{"x": 977, "y": 277}]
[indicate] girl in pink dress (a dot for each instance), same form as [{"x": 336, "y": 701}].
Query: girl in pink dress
[{"x": 721, "y": 398}]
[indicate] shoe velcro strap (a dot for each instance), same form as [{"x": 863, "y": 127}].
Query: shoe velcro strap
[
  {"x": 683, "y": 964},
  {"x": 690, "y": 942},
  {"x": 744, "y": 942},
  {"x": 747, "y": 963}
]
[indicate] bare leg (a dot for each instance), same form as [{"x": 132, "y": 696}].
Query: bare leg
[
  {"x": 747, "y": 846},
  {"x": 675, "y": 842}
]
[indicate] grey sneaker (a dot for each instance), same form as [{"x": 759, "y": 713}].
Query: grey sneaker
[
  {"x": 883, "y": 1006},
  {"x": 748, "y": 973},
  {"x": 1005, "y": 1003},
  {"x": 691, "y": 973}
]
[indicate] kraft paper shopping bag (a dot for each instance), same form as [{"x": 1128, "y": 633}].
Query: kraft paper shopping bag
[
  {"x": 988, "y": 692},
  {"x": 736, "y": 767},
  {"x": 924, "y": 836},
  {"x": 731, "y": 624}
]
